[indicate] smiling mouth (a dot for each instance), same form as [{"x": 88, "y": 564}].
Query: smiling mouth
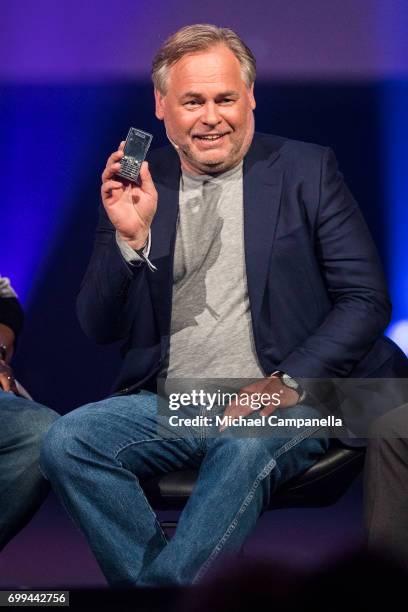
[{"x": 209, "y": 137}]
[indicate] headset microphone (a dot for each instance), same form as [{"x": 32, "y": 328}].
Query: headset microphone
[{"x": 172, "y": 142}]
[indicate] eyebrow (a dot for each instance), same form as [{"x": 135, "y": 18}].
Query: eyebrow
[{"x": 195, "y": 94}]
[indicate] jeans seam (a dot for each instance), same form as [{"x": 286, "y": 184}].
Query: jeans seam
[
  {"x": 128, "y": 444},
  {"x": 263, "y": 474},
  {"x": 293, "y": 441},
  {"x": 154, "y": 515}
]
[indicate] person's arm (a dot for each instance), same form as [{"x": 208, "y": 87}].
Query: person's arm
[
  {"x": 7, "y": 338},
  {"x": 361, "y": 309},
  {"x": 103, "y": 307},
  {"x": 11, "y": 321},
  {"x": 11, "y": 318},
  {"x": 103, "y": 304},
  {"x": 354, "y": 278},
  {"x": 136, "y": 258}
]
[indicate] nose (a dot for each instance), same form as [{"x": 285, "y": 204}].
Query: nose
[{"x": 210, "y": 116}]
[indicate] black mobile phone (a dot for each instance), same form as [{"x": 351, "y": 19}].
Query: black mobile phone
[{"x": 136, "y": 146}]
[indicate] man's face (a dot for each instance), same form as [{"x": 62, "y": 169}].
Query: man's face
[{"x": 207, "y": 110}]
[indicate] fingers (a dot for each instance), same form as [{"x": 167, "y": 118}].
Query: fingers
[
  {"x": 115, "y": 157},
  {"x": 113, "y": 165},
  {"x": 235, "y": 410},
  {"x": 147, "y": 184},
  {"x": 5, "y": 382},
  {"x": 118, "y": 154},
  {"x": 110, "y": 171},
  {"x": 110, "y": 185}
]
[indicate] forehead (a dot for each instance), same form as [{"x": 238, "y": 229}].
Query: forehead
[{"x": 216, "y": 67}]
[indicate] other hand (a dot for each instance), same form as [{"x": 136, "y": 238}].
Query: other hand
[
  {"x": 129, "y": 206},
  {"x": 7, "y": 381},
  {"x": 275, "y": 395}
]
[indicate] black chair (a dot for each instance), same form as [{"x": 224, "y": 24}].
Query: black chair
[{"x": 321, "y": 485}]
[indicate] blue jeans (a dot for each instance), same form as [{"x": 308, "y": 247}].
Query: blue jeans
[
  {"x": 22, "y": 486},
  {"x": 96, "y": 456}
]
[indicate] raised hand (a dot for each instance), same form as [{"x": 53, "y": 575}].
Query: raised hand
[{"x": 130, "y": 207}]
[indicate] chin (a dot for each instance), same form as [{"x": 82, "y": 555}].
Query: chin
[
  {"x": 214, "y": 160},
  {"x": 214, "y": 167}
]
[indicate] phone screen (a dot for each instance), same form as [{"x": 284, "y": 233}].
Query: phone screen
[{"x": 137, "y": 144}]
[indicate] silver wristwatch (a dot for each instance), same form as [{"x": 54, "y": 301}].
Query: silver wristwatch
[{"x": 291, "y": 383}]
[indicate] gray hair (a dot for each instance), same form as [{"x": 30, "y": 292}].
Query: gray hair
[{"x": 200, "y": 37}]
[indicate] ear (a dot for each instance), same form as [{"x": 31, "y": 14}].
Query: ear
[
  {"x": 159, "y": 100},
  {"x": 252, "y": 97}
]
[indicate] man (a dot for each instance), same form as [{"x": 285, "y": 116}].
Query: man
[
  {"x": 386, "y": 485},
  {"x": 22, "y": 426},
  {"x": 238, "y": 256}
]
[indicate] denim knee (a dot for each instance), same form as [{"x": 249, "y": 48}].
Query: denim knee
[
  {"x": 24, "y": 423},
  {"x": 77, "y": 435},
  {"x": 40, "y": 421},
  {"x": 58, "y": 446}
]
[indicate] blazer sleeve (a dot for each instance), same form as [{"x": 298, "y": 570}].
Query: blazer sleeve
[
  {"x": 354, "y": 279},
  {"x": 104, "y": 304}
]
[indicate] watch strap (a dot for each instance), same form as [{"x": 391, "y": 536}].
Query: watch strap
[{"x": 295, "y": 387}]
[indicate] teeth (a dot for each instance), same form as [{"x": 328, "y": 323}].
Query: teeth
[{"x": 215, "y": 137}]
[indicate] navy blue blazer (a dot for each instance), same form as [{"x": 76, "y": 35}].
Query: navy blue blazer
[{"x": 318, "y": 299}]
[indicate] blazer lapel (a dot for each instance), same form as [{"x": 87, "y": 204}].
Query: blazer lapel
[
  {"x": 262, "y": 196},
  {"x": 166, "y": 176}
]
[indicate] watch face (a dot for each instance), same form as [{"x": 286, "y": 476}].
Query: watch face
[{"x": 289, "y": 382}]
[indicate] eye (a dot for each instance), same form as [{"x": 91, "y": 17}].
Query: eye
[
  {"x": 226, "y": 101},
  {"x": 191, "y": 103}
]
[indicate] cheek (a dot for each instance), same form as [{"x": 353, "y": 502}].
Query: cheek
[
  {"x": 238, "y": 118},
  {"x": 181, "y": 123}
]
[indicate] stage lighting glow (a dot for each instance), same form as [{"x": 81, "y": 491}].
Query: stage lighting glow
[
  {"x": 399, "y": 333},
  {"x": 395, "y": 154}
]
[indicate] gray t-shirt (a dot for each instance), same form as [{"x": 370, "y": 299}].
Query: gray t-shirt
[{"x": 211, "y": 331}]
